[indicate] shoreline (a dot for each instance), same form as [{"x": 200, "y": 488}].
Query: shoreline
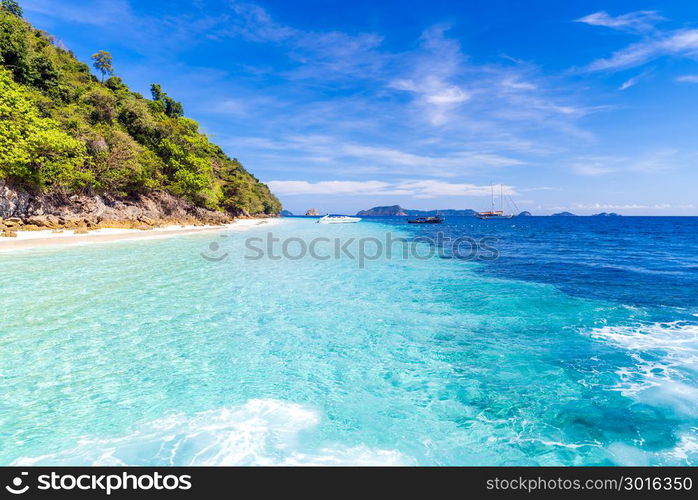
[{"x": 26, "y": 240}]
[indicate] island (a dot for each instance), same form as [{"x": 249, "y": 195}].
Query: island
[
  {"x": 525, "y": 213},
  {"x": 84, "y": 152},
  {"x": 394, "y": 210},
  {"x": 286, "y": 213},
  {"x": 564, "y": 214},
  {"x": 606, "y": 214}
]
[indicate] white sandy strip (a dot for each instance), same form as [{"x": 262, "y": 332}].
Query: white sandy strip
[{"x": 38, "y": 239}]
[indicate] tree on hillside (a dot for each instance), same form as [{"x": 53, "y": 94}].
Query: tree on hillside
[
  {"x": 156, "y": 92},
  {"x": 12, "y": 7},
  {"x": 170, "y": 107},
  {"x": 103, "y": 63}
]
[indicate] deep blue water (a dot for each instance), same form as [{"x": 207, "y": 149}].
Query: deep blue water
[{"x": 642, "y": 261}]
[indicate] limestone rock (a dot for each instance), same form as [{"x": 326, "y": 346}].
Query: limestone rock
[{"x": 56, "y": 210}]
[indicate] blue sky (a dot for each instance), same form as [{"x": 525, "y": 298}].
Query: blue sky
[{"x": 581, "y": 106}]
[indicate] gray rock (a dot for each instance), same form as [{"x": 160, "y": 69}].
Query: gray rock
[{"x": 59, "y": 210}]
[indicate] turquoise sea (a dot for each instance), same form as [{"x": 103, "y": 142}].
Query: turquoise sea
[{"x": 578, "y": 345}]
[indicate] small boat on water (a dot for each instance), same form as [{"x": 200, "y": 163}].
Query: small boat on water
[
  {"x": 433, "y": 219},
  {"x": 497, "y": 214},
  {"x": 338, "y": 219}
]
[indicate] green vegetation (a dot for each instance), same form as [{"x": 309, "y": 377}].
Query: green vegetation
[
  {"x": 102, "y": 62},
  {"x": 63, "y": 129},
  {"x": 12, "y": 7}
]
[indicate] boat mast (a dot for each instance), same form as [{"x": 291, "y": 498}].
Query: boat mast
[
  {"x": 501, "y": 198},
  {"x": 492, "y": 189}
]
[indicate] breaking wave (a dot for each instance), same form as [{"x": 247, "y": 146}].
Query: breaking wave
[
  {"x": 260, "y": 432},
  {"x": 665, "y": 363}
]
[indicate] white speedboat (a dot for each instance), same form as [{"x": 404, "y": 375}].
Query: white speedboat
[{"x": 338, "y": 219}]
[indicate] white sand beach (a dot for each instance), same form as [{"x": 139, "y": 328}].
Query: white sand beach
[{"x": 37, "y": 239}]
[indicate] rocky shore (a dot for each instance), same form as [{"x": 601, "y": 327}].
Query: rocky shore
[{"x": 25, "y": 211}]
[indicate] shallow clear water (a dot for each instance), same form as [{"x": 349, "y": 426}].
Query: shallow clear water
[{"x": 578, "y": 346}]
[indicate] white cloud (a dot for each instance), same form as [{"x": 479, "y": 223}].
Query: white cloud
[
  {"x": 655, "y": 161},
  {"x": 592, "y": 166},
  {"x": 681, "y": 43},
  {"x": 687, "y": 79},
  {"x": 541, "y": 188},
  {"x": 488, "y": 100},
  {"x": 433, "y": 71},
  {"x": 639, "y": 21},
  {"x": 255, "y": 24},
  {"x": 460, "y": 160},
  {"x": 632, "y": 206},
  {"x": 419, "y": 189},
  {"x": 454, "y": 103},
  {"x": 655, "y": 43},
  {"x": 437, "y": 189},
  {"x": 100, "y": 13},
  {"x": 512, "y": 83},
  {"x": 320, "y": 54},
  {"x": 632, "y": 81},
  {"x": 437, "y": 97},
  {"x": 236, "y": 107},
  {"x": 116, "y": 23},
  {"x": 357, "y": 157},
  {"x": 628, "y": 83},
  {"x": 292, "y": 188}
]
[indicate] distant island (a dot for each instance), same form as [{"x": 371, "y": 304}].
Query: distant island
[
  {"x": 570, "y": 214},
  {"x": 286, "y": 213},
  {"x": 382, "y": 211},
  {"x": 397, "y": 210}
]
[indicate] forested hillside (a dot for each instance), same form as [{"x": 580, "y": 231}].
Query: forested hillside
[{"x": 64, "y": 130}]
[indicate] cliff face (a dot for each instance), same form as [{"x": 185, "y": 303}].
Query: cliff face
[
  {"x": 21, "y": 209},
  {"x": 70, "y": 142}
]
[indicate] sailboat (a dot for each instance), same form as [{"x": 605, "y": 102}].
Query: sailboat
[{"x": 496, "y": 214}]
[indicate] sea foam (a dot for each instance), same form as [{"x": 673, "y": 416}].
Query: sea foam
[
  {"x": 665, "y": 363},
  {"x": 260, "y": 432}
]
